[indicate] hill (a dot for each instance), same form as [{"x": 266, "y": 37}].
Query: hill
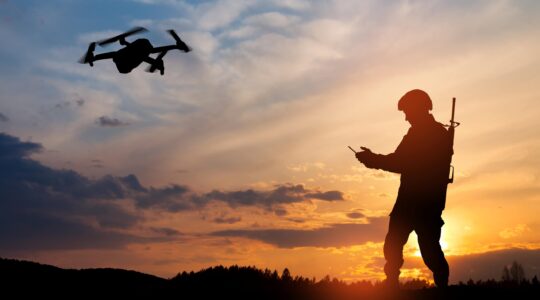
[{"x": 21, "y": 279}]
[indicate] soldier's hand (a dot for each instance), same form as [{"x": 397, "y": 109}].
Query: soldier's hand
[
  {"x": 362, "y": 156},
  {"x": 367, "y": 150},
  {"x": 365, "y": 156}
]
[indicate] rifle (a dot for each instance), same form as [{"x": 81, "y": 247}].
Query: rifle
[{"x": 451, "y": 132}]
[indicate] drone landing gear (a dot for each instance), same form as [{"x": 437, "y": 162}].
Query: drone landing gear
[{"x": 156, "y": 63}]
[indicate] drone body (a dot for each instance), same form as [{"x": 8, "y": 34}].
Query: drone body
[
  {"x": 131, "y": 56},
  {"x": 134, "y": 53}
]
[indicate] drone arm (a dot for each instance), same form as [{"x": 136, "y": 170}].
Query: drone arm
[
  {"x": 149, "y": 60},
  {"x": 123, "y": 41},
  {"x": 90, "y": 58},
  {"x": 101, "y": 56},
  {"x": 164, "y": 48},
  {"x": 179, "y": 43}
]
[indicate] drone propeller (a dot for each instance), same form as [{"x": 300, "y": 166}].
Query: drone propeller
[
  {"x": 89, "y": 55},
  {"x": 181, "y": 45},
  {"x": 122, "y": 36}
]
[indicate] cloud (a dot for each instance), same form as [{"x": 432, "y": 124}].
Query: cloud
[
  {"x": 271, "y": 20},
  {"x": 307, "y": 166},
  {"x": 173, "y": 198},
  {"x": 46, "y": 208},
  {"x": 334, "y": 235},
  {"x": 280, "y": 211},
  {"x": 328, "y": 196},
  {"x": 281, "y": 194},
  {"x": 97, "y": 163},
  {"x": 514, "y": 231},
  {"x": 381, "y": 175},
  {"x": 220, "y": 13},
  {"x": 12, "y": 148},
  {"x": 66, "y": 104},
  {"x": 34, "y": 231},
  {"x": 166, "y": 231},
  {"x": 62, "y": 104},
  {"x": 176, "y": 198},
  {"x": 3, "y": 118},
  {"x": 292, "y": 4},
  {"x": 227, "y": 220},
  {"x": 355, "y": 215},
  {"x": 105, "y": 121}
]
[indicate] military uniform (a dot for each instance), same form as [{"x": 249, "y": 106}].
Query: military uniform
[{"x": 422, "y": 158}]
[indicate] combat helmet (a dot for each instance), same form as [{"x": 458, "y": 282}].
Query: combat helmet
[{"x": 415, "y": 100}]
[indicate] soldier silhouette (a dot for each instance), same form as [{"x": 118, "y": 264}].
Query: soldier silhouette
[{"x": 422, "y": 158}]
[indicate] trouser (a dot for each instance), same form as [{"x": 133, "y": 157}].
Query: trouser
[{"x": 428, "y": 231}]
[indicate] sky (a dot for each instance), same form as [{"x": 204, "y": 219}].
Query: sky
[{"x": 238, "y": 154}]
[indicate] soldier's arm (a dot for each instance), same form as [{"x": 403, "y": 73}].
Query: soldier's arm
[
  {"x": 388, "y": 162},
  {"x": 393, "y": 162}
]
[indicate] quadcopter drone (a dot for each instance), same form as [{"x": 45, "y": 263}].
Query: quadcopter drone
[{"x": 134, "y": 53}]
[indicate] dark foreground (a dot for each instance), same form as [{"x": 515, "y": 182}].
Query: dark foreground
[{"x": 20, "y": 279}]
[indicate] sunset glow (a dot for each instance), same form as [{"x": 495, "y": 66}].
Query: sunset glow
[{"x": 238, "y": 154}]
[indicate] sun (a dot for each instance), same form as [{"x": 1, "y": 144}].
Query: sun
[{"x": 442, "y": 242}]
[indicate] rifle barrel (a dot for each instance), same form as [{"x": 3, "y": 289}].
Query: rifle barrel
[{"x": 453, "y": 110}]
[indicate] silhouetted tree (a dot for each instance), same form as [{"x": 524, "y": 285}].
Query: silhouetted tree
[
  {"x": 275, "y": 275},
  {"x": 286, "y": 275},
  {"x": 415, "y": 284},
  {"x": 325, "y": 279},
  {"x": 517, "y": 272},
  {"x": 506, "y": 274},
  {"x": 514, "y": 274}
]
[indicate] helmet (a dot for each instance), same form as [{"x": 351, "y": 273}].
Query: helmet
[{"x": 415, "y": 99}]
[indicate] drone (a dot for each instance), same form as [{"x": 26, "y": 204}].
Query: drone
[{"x": 134, "y": 53}]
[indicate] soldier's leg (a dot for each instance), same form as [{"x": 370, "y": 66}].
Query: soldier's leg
[
  {"x": 429, "y": 234},
  {"x": 396, "y": 238}
]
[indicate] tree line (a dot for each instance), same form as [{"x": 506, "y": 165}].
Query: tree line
[{"x": 240, "y": 282}]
